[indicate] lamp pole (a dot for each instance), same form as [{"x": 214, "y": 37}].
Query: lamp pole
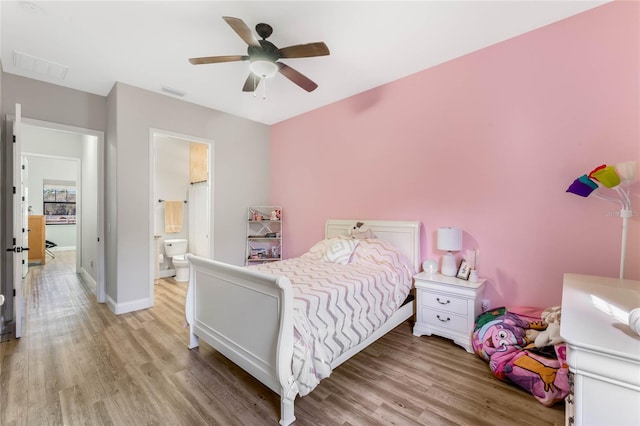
[{"x": 625, "y": 214}]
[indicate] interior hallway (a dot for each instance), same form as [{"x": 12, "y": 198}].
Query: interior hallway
[{"x": 77, "y": 363}]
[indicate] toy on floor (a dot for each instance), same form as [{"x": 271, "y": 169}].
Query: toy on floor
[{"x": 551, "y": 335}]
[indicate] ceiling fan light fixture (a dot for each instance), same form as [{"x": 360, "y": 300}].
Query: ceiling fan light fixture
[
  {"x": 262, "y": 68},
  {"x": 263, "y": 56}
]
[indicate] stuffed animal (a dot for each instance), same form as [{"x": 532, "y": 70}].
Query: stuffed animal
[
  {"x": 361, "y": 231},
  {"x": 551, "y": 335}
]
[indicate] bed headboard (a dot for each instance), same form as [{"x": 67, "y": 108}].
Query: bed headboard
[{"x": 403, "y": 234}]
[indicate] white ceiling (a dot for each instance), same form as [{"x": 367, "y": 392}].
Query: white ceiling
[{"x": 147, "y": 44}]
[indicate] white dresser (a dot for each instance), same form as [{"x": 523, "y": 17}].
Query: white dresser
[{"x": 603, "y": 352}]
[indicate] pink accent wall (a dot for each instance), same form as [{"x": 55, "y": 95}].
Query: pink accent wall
[{"x": 488, "y": 142}]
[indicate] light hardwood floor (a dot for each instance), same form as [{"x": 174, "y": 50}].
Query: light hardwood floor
[{"x": 78, "y": 364}]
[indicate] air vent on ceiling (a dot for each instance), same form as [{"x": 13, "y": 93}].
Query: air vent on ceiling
[
  {"x": 31, "y": 8},
  {"x": 39, "y": 65}
]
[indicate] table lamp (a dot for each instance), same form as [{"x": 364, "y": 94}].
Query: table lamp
[{"x": 449, "y": 239}]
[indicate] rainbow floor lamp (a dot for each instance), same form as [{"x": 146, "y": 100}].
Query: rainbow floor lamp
[{"x": 617, "y": 178}]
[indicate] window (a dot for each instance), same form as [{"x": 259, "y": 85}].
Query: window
[{"x": 59, "y": 203}]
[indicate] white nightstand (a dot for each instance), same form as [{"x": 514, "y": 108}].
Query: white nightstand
[{"x": 447, "y": 307}]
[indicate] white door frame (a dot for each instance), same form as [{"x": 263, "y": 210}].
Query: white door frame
[
  {"x": 25, "y": 214},
  {"x": 99, "y": 135},
  {"x": 153, "y": 134},
  {"x": 17, "y": 228}
]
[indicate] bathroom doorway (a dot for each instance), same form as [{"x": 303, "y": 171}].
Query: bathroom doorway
[{"x": 180, "y": 199}]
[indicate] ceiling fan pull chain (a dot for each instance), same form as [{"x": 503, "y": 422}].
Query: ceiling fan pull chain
[
  {"x": 254, "y": 85},
  {"x": 264, "y": 90}
]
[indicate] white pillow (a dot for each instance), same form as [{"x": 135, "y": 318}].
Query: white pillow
[{"x": 340, "y": 251}]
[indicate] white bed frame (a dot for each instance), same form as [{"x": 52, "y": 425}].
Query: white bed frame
[{"x": 248, "y": 316}]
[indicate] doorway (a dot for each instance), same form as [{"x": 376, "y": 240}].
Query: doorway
[
  {"x": 68, "y": 162},
  {"x": 180, "y": 171},
  {"x": 51, "y": 200}
]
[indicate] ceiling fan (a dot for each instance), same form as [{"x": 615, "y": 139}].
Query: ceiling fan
[{"x": 264, "y": 56}]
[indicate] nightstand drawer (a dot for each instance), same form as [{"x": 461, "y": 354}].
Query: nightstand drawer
[
  {"x": 444, "y": 319},
  {"x": 444, "y": 302}
]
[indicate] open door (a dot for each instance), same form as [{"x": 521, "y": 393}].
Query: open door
[
  {"x": 18, "y": 228},
  {"x": 24, "y": 201}
]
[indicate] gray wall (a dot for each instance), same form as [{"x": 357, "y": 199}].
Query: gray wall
[
  {"x": 126, "y": 115},
  {"x": 111, "y": 188},
  {"x": 241, "y": 178},
  {"x": 57, "y": 104},
  {"x": 50, "y": 142}
]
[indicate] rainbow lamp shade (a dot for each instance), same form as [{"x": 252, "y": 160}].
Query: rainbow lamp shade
[{"x": 616, "y": 180}]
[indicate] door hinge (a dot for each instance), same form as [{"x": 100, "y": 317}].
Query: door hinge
[
  {"x": 23, "y": 167},
  {"x": 14, "y": 189},
  {"x": 23, "y": 199},
  {"x": 14, "y": 138},
  {"x": 14, "y": 292},
  {"x": 14, "y": 241},
  {"x": 23, "y": 261}
]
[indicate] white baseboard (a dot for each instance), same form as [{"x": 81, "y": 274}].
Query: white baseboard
[
  {"x": 88, "y": 279},
  {"x": 123, "y": 308},
  {"x": 166, "y": 273}
]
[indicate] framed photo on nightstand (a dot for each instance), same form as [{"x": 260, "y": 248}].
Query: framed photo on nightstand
[{"x": 463, "y": 270}]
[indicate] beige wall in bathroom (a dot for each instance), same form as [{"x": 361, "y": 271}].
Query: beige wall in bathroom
[{"x": 198, "y": 162}]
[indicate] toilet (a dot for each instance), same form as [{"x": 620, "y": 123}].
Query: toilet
[{"x": 176, "y": 249}]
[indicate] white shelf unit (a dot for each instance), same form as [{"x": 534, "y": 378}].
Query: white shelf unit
[{"x": 264, "y": 234}]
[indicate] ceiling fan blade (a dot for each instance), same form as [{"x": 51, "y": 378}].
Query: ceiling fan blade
[
  {"x": 251, "y": 83},
  {"x": 296, "y": 77},
  {"x": 242, "y": 30},
  {"x": 304, "y": 50},
  {"x": 217, "y": 59}
]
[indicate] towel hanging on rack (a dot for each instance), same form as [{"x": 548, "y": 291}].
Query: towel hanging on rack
[{"x": 173, "y": 216}]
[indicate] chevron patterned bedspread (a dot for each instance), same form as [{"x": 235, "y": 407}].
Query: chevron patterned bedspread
[{"x": 337, "y": 306}]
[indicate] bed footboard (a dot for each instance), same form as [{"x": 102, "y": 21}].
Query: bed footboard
[{"x": 248, "y": 317}]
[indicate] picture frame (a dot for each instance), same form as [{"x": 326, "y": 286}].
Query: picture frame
[{"x": 464, "y": 270}]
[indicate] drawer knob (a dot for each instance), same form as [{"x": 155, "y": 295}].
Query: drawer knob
[
  {"x": 443, "y": 320},
  {"x": 446, "y": 302}
]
